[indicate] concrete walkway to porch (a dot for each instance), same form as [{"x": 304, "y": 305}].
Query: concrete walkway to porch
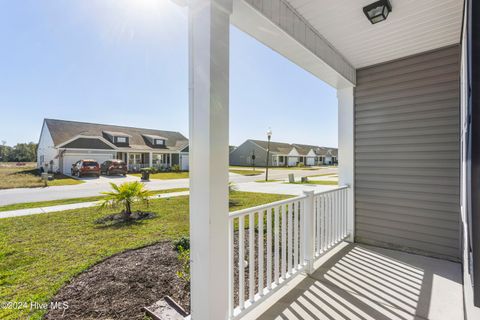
[
  {"x": 63, "y": 207},
  {"x": 356, "y": 281}
]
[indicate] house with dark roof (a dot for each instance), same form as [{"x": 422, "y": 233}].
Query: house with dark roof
[
  {"x": 62, "y": 143},
  {"x": 254, "y": 152}
]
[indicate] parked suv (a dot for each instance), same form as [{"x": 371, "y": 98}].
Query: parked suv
[
  {"x": 110, "y": 167},
  {"x": 84, "y": 167}
]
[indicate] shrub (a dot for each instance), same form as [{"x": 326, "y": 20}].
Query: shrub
[
  {"x": 184, "y": 258},
  {"x": 300, "y": 164},
  {"x": 176, "y": 168},
  {"x": 150, "y": 170},
  {"x": 183, "y": 242},
  {"x": 125, "y": 195}
]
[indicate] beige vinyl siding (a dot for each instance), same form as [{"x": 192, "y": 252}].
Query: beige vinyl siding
[{"x": 407, "y": 154}]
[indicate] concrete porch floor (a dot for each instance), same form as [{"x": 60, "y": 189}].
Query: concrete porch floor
[{"x": 356, "y": 281}]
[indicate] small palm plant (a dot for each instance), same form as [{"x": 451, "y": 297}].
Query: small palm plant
[{"x": 125, "y": 195}]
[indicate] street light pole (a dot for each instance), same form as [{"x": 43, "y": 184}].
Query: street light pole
[{"x": 269, "y": 135}]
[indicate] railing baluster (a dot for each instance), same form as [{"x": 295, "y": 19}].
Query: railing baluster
[
  {"x": 346, "y": 211},
  {"x": 251, "y": 254},
  {"x": 330, "y": 224},
  {"x": 295, "y": 234},
  {"x": 284, "y": 241},
  {"x": 343, "y": 213},
  {"x": 260, "y": 252},
  {"x": 231, "y": 298},
  {"x": 277, "y": 246},
  {"x": 332, "y": 213},
  {"x": 241, "y": 262},
  {"x": 269, "y": 249},
  {"x": 335, "y": 213},
  {"x": 314, "y": 228},
  {"x": 302, "y": 232},
  {"x": 318, "y": 225},
  {"x": 290, "y": 239}
]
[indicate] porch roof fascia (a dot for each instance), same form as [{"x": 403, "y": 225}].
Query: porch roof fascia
[{"x": 283, "y": 29}]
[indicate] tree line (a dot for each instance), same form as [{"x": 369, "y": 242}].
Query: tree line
[{"x": 21, "y": 152}]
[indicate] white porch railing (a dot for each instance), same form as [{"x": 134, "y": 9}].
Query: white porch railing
[{"x": 272, "y": 243}]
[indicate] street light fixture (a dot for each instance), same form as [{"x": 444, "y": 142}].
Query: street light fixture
[{"x": 269, "y": 135}]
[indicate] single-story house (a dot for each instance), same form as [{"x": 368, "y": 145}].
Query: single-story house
[
  {"x": 62, "y": 143},
  {"x": 254, "y": 152}
]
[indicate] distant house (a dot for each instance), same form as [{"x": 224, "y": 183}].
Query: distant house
[
  {"x": 63, "y": 143},
  {"x": 281, "y": 154}
]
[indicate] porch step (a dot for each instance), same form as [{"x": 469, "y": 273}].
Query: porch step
[{"x": 165, "y": 309}]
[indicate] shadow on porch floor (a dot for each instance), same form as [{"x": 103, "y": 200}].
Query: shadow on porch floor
[{"x": 363, "y": 282}]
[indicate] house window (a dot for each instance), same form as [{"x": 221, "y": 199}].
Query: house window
[
  {"x": 135, "y": 158},
  {"x": 121, "y": 139},
  {"x": 159, "y": 142}
]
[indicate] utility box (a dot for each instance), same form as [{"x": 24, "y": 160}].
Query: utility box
[{"x": 291, "y": 178}]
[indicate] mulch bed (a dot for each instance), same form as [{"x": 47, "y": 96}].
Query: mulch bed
[
  {"x": 120, "y": 286},
  {"x": 120, "y": 218}
]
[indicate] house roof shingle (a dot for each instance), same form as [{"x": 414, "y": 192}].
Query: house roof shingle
[
  {"x": 63, "y": 130},
  {"x": 302, "y": 149},
  {"x": 275, "y": 147}
]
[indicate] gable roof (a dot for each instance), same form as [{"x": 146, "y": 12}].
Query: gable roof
[
  {"x": 275, "y": 147},
  {"x": 302, "y": 149},
  {"x": 63, "y": 130},
  {"x": 319, "y": 151}
]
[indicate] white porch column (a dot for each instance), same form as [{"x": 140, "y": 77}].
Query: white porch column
[
  {"x": 150, "y": 159},
  {"x": 346, "y": 164},
  {"x": 209, "y": 23}
]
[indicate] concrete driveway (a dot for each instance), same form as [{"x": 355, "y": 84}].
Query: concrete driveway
[
  {"x": 107, "y": 179},
  {"x": 94, "y": 186}
]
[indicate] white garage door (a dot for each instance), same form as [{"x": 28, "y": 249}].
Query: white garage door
[
  {"x": 68, "y": 160},
  {"x": 310, "y": 161},
  {"x": 184, "y": 162},
  {"x": 292, "y": 161}
]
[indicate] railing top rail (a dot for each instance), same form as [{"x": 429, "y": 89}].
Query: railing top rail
[
  {"x": 331, "y": 190},
  {"x": 242, "y": 212},
  {"x": 245, "y": 211}
]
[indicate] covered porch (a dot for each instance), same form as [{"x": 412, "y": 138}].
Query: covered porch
[
  {"x": 137, "y": 160},
  {"x": 401, "y": 151}
]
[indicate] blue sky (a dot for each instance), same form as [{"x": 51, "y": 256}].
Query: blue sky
[{"x": 125, "y": 62}]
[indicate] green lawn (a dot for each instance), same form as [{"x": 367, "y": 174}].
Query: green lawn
[
  {"x": 332, "y": 174},
  {"x": 263, "y": 181},
  {"x": 40, "y": 253},
  {"x": 245, "y": 172},
  {"x": 165, "y": 175},
  {"x": 275, "y": 168},
  {"x": 12, "y": 176},
  {"x": 40, "y": 204},
  {"x": 319, "y": 182}
]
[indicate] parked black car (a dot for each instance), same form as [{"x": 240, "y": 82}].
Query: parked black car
[
  {"x": 111, "y": 167},
  {"x": 84, "y": 167}
]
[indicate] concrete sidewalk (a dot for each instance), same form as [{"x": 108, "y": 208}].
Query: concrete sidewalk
[
  {"x": 267, "y": 187},
  {"x": 63, "y": 207},
  {"x": 281, "y": 187}
]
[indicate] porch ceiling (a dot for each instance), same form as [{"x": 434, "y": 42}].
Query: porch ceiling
[{"x": 413, "y": 26}]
